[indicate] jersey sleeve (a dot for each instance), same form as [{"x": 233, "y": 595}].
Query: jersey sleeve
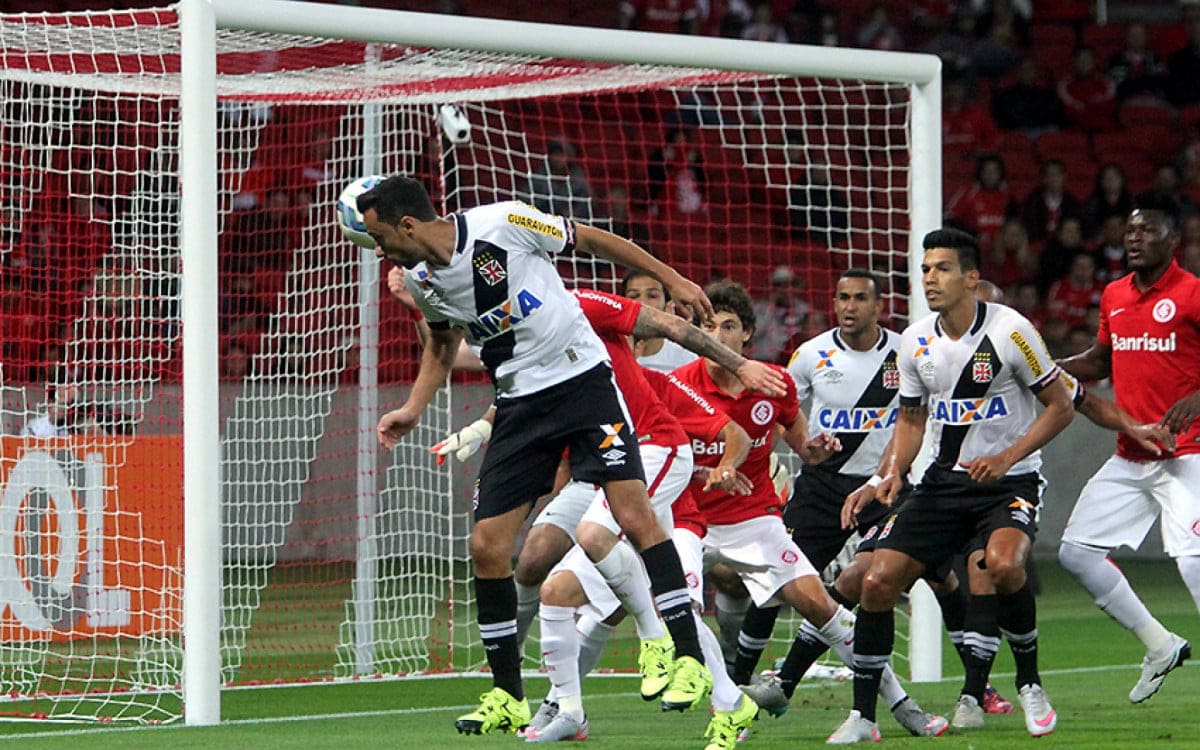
[
  {"x": 1028, "y": 357},
  {"x": 699, "y": 419},
  {"x": 527, "y": 228},
  {"x": 609, "y": 314},
  {"x": 787, "y": 406},
  {"x": 801, "y": 373},
  {"x": 417, "y": 289},
  {"x": 1102, "y": 331},
  {"x": 912, "y": 389}
]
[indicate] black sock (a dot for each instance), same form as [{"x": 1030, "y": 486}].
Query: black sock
[
  {"x": 672, "y": 598},
  {"x": 840, "y": 598},
  {"x": 1017, "y": 618},
  {"x": 874, "y": 635},
  {"x": 496, "y": 599},
  {"x": 803, "y": 653},
  {"x": 981, "y": 641},
  {"x": 752, "y": 641},
  {"x": 954, "y": 615}
]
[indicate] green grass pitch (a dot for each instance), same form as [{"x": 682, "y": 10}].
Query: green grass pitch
[{"x": 1088, "y": 662}]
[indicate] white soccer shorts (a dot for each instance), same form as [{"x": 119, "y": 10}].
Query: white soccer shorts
[
  {"x": 602, "y": 602},
  {"x": 567, "y": 507},
  {"x": 668, "y": 471},
  {"x": 762, "y": 553},
  {"x": 1120, "y": 502}
]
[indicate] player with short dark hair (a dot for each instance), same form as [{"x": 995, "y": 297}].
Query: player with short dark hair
[
  {"x": 1149, "y": 344},
  {"x": 975, "y": 371},
  {"x": 488, "y": 273}
]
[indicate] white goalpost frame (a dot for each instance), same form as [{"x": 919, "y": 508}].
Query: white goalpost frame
[{"x": 199, "y": 20}]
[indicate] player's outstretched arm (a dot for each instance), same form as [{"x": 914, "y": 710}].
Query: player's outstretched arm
[
  {"x": 811, "y": 450},
  {"x": 725, "y": 475},
  {"x": 1105, "y": 413},
  {"x": 1052, "y": 420},
  {"x": 465, "y": 359},
  {"x": 756, "y": 376},
  {"x": 436, "y": 361},
  {"x": 689, "y": 298},
  {"x": 1093, "y": 364}
]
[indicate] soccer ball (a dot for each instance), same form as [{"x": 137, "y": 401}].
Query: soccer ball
[{"x": 348, "y": 218}]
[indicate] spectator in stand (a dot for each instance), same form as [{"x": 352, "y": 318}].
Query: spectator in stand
[
  {"x": 1092, "y": 320},
  {"x": 620, "y": 210},
  {"x": 1056, "y": 332},
  {"x": 819, "y": 209},
  {"x": 985, "y": 206},
  {"x": 1079, "y": 340},
  {"x": 235, "y": 361},
  {"x": 1135, "y": 68},
  {"x": 1027, "y": 301},
  {"x": 316, "y": 167},
  {"x": 955, "y": 44},
  {"x": 1089, "y": 98},
  {"x": 1110, "y": 197},
  {"x": 1060, "y": 251},
  {"x": 560, "y": 186},
  {"x": 1110, "y": 251},
  {"x": 261, "y": 238},
  {"x": 878, "y": 32},
  {"x": 1029, "y": 104},
  {"x": 1049, "y": 203},
  {"x": 1071, "y": 296},
  {"x": 1191, "y": 258},
  {"x": 1010, "y": 260},
  {"x": 55, "y": 421},
  {"x": 966, "y": 126},
  {"x": 662, "y": 16},
  {"x": 676, "y": 176},
  {"x": 780, "y": 316},
  {"x": 997, "y": 52},
  {"x": 240, "y": 309},
  {"x": 1183, "y": 69},
  {"x": 1166, "y": 190},
  {"x": 762, "y": 26},
  {"x": 826, "y": 31}
]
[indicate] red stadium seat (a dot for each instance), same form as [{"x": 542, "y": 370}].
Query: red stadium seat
[{"x": 1062, "y": 144}]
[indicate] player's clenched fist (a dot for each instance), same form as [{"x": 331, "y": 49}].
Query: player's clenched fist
[{"x": 394, "y": 425}]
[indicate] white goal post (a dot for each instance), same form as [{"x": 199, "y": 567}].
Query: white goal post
[
  {"x": 201, "y": 18},
  {"x": 236, "y": 522}
]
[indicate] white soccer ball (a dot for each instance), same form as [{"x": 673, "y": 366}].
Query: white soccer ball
[{"x": 348, "y": 218}]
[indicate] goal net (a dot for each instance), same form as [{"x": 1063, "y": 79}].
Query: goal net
[{"x": 339, "y": 560}]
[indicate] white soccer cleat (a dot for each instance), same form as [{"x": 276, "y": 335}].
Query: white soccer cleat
[
  {"x": 768, "y": 693},
  {"x": 1040, "y": 716},
  {"x": 853, "y": 730},
  {"x": 918, "y": 722},
  {"x": 968, "y": 714},
  {"x": 1154, "y": 671},
  {"x": 545, "y": 714},
  {"x": 561, "y": 729}
]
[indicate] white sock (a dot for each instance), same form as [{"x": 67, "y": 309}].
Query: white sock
[
  {"x": 560, "y": 654},
  {"x": 725, "y": 694},
  {"x": 625, "y": 574},
  {"x": 1189, "y": 570},
  {"x": 527, "y": 609},
  {"x": 1113, "y": 594},
  {"x": 593, "y": 635}
]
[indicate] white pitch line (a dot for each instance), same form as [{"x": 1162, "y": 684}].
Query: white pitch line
[{"x": 439, "y": 709}]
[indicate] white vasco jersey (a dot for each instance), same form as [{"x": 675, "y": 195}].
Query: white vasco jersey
[
  {"x": 854, "y": 396},
  {"x": 669, "y": 357},
  {"x": 982, "y": 389},
  {"x": 502, "y": 289}
]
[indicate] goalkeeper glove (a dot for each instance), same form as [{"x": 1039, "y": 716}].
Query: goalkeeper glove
[
  {"x": 780, "y": 478},
  {"x": 464, "y": 443}
]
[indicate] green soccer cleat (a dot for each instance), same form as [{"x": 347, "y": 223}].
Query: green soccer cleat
[
  {"x": 691, "y": 682},
  {"x": 654, "y": 662},
  {"x": 498, "y": 712},
  {"x": 727, "y": 728}
]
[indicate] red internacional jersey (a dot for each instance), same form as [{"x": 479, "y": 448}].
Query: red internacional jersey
[
  {"x": 758, "y": 415},
  {"x": 1155, "y": 340},
  {"x": 613, "y": 318}
]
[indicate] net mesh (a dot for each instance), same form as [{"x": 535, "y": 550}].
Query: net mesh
[{"x": 339, "y": 560}]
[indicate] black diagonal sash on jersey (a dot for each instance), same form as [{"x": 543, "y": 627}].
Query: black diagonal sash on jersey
[
  {"x": 874, "y": 396},
  {"x": 490, "y": 278},
  {"x": 953, "y": 435}
]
